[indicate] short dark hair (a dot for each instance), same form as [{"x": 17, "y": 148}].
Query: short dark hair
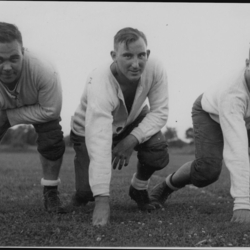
[
  {"x": 128, "y": 35},
  {"x": 9, "y": 32}
]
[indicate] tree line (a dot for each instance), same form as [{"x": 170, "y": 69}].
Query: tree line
[{"x": 25, "y": 135}]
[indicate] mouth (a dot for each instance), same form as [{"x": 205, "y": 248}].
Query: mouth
[
  {"x": 8, "y": 75},
  {"x": 135, "y": 72}
]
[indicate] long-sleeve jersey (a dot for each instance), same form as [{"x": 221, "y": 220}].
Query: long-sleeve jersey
[
  {"x": 229, "y": 105},
  {"x": 102, "y": 113},
  {"x": 38, "y": 95}
]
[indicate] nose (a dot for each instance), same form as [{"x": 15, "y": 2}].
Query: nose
[
  {"x": 7, "y": 66},
  {"x": 135, "y": 63}
]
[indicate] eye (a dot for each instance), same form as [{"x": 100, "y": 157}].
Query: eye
[
  {"x": 142, "y": 56},
  {"x": 128, "y": 56},
  {"x": 14, "y": 59}
]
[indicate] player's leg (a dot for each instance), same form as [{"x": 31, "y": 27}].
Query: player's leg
[
  {"x": 152, "y": 156},
  {"x": 206, "y": 168},
  {"x": 51, "y": 147},
  {"x": 83, "y": 192}
]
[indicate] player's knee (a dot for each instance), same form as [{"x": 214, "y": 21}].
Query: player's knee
[
  {"x": 205, "y": 171},
  {"x": 50, "y": 143},
  {"x": 156, "y": 156}
]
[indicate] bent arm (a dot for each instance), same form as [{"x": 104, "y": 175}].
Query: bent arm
[
  {"x": 156, "y": 119},
  {"x": 47, "y": 108}
]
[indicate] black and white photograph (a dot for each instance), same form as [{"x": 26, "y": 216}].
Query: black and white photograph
[{"x": 124, "y": 125}]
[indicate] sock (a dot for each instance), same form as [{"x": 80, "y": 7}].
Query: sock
[
  {"x": 50, "y": 182},
  {"x": 169, "y": 182},
  {"x": 139, "y": 184}
]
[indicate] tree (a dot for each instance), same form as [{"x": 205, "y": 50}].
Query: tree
[
  {"x": 171, "y": 134},
  {"x": 190, "y": 134},
  {"x": 172, "y": 138}
]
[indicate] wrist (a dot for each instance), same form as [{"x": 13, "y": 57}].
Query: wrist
[
  {"x": 100, "y": 198},
  {"x": 134, "y": 140}
]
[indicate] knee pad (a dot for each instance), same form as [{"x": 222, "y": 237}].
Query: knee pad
[
  {"x": 205, "y": 171},
  {"x": 50, "y": 143},
  {"x": 155, "y": 157}
]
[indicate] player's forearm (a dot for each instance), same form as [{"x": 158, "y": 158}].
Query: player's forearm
[
  {"x": 150, "y": 125},
  {"x": 33, "y": 114},
  {"x": 99, "y": 149}
]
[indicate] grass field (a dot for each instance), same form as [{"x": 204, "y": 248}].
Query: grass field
[{"x": 191, "y": 218}]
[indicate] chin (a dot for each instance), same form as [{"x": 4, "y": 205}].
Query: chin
[
  {"x": 8, "y": 81},
  {"x": 134, "y": 78}
]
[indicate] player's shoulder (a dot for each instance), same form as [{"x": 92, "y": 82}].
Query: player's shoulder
[
  {"x": 38, "y": 63},
  {"x": 101, "y": 72},
  {"x": 154, "y": 63}
]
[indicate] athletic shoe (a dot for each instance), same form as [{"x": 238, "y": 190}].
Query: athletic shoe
[
  {"x": 52, "y": 201},
  {"x": 141, "y": 198},
  {"x": 160, "y": 194}
]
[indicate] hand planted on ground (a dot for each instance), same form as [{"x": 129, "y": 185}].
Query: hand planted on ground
[
  {"x": 101, "y": 212},
  {"x": 241, "y": 216}
]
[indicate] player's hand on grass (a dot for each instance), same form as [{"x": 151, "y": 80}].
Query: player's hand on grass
[
  {"x": 122, "y": 152},
  {"x": 241, "y": 216},
  {"x": 101, "y": 212}
]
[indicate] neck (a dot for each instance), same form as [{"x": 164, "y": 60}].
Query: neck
[{"x": 11, "y": 86}]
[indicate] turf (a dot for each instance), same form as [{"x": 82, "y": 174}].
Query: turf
[{"x": 192, "y": 217}]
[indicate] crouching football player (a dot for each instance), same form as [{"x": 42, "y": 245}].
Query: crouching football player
[
  {"x": 221, "y": 119},
  {"x": 30, "y": 93},
  {"x": 112, "y": 120}
]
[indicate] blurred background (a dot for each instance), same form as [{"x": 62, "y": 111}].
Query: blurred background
[{"x": 199, "y": 43}]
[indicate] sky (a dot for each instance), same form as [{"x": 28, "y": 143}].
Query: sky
[{"x": 198, "y": 43}]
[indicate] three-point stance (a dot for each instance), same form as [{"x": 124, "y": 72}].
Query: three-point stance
[
  {"x": 30, "y": 93},
  {"x": 221, "y": 122},
  {"x": 113, "y": 119}
]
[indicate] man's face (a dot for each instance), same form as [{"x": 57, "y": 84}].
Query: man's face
[
  {"x": 11, "y": 61},
  {"x": 131, "y": 61}
]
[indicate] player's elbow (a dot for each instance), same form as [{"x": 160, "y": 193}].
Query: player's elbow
[
  {"x": 52, "y": 113},
  {"x": 163, "y": 116}
]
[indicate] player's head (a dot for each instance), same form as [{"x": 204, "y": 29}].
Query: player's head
[
  {"x": 11, "y": 54},
  {"x": 130, "y": 54},
  {"x": 9, "y": 33},
  {"x": 128, "y": 35}
]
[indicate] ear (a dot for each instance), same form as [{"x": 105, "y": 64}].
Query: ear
[
  {"x": 113, "y": 55},
  {"x": 148, "y": 53},
  {"x": 247, "y": 62},
  {"x": 247, "y": 78},
  {"x": 22, "y": 50}
]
